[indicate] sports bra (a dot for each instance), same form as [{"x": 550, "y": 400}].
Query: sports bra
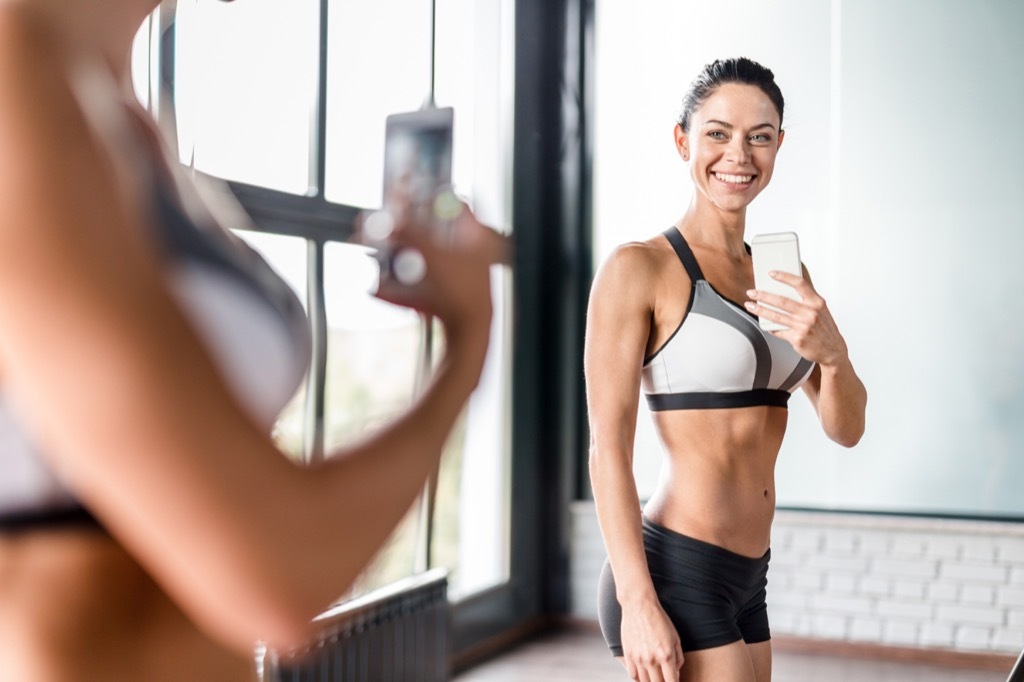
[
  {"x": 247, "y": 318},
  {"x": 718, "y": 356}
]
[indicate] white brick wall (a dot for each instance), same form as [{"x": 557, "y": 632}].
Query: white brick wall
[{"x": 902, "y": 581}]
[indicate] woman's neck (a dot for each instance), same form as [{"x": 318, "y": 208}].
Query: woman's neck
[{"x": 719, "y": 230}]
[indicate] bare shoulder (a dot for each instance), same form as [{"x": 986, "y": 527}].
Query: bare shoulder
[
  {"x": 623, "y": 302},
  {"x": 632, "y": 267}
]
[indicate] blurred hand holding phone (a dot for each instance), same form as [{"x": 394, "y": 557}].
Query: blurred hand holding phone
[
  {"x": 417, "y": 188},
  {"x": 775, "y": 251}
]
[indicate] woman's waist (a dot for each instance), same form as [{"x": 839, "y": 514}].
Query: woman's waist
[
  {"x": 60, "y": 576},
  {"x": 728, "y": 510},
  {"x": 83, "y": 604},
  {"x": 662, "y": 541},
  {"x": 59, "y": 554}
]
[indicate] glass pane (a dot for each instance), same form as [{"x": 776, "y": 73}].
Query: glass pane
[
  {"x": 372, "y": 348},
  {"x": 944, "y": 429},
  {"x": 372, "y": 363},
  {"x": 378, "y": 63},
  {"x": 471, "y": 517},
  {"x": 473, "y": 61},
  {"x": 245, "y": 89},
  {"x": 471, "y": 522},
  {"x": 473, "y": 74},
  {"x": 287, "y": 255}
]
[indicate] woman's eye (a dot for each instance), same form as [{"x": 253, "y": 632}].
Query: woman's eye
[
  {"x": 760, "y": 138},
  {"x": 716, "y": 135}
]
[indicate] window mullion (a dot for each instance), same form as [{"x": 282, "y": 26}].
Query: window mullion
[
  {"x": 318, "y": 141},
  {"x": 315, "y": 385}
]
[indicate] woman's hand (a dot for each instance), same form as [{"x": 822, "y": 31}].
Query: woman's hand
[
  {"x": 834, "y": 389},
  {"x": 456, "y": 256},
  {"x": 812, "y": 331},
  {"x": 651, "y": 650}
]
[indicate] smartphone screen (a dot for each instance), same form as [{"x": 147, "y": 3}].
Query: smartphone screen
[
  {"x": 775, "y": 251},
  {"x": 417, "y": 156},
  {"x": 417, "y": 167}
]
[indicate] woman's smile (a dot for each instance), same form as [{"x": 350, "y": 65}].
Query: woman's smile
[{"x": 735, "y": 181}]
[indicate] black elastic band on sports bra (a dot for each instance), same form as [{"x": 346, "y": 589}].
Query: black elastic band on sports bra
[
  {"x": 771, "y": 397},
  {"x": 684, "y": 252},
  {"x": 48, "y": 518}
]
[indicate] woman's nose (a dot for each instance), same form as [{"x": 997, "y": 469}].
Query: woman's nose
[{"x": 738, "y": 151}]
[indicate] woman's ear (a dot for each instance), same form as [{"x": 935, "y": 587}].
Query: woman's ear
[
  {"x": 682, "y": 143},
  {"x": 782, "y": 135}
]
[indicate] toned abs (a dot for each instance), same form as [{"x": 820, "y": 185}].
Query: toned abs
[{"x": 717, "y": 482}]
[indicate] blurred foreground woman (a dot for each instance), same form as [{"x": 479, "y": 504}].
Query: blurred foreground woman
[{"x": 149, "y": 528}]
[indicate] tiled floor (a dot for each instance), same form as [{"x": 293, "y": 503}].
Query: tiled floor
[{"x": 580, "y": 655}]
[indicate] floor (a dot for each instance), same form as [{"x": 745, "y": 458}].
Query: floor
[{"x": 581, "y": 655}]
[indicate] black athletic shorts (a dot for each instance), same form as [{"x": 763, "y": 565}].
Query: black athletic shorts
[{"x": 711, "y": 595}]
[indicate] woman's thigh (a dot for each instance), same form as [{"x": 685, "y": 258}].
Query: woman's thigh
[{"x": 736, "y": 662}]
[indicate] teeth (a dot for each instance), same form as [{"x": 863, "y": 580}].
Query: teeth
[{"x": 735, "y": 179}]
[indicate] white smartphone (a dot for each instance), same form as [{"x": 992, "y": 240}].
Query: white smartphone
[
  {"x": 775, "y": 251},
  {"x": 417, "y": 168}
]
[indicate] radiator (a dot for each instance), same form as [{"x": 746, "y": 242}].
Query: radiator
[{"x": 398, "y": 633}]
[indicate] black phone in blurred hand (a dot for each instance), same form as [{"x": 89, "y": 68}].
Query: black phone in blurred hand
[{"x": 417, "y": 176}]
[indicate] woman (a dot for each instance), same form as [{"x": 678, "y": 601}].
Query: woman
[
  {"x": 682, "y": 595},
  {"x": 149, "y": 529}
]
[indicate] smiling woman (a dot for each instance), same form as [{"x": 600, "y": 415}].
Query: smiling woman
[{"x": 682, "y": 595}]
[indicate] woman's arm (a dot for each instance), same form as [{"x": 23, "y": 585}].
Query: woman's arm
[
  {"x": 835, "y": 390},
  {"x": 618, "y": 325},
  {"x": 840, "y": 400},
  {"x": 125, "y": 402}
]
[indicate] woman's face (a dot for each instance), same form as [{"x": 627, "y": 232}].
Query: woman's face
[{"x": 731, "y": 146}]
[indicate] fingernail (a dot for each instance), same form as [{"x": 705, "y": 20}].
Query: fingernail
[
  {"x": 750, "y": 305},
  {"x": 751, "y": 293}
]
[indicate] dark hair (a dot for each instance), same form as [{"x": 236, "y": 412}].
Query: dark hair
[{"x": 734, "y": 70}]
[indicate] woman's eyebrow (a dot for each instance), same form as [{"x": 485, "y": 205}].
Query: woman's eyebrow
[{"x": 730, "y": 126}]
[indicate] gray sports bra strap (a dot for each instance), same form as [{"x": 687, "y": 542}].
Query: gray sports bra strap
[{"x": 685, "y": 254}]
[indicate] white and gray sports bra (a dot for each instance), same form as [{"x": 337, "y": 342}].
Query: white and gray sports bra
[
  {"x": 246, "y": 316},
  {"x": 718, "y": 356},
  {"x": 249, "y": 320}
]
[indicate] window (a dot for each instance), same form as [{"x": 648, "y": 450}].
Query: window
[{"x": 297, "y": 131}]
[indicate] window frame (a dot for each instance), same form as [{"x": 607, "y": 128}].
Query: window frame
[{"x": 550, "y": 207}]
